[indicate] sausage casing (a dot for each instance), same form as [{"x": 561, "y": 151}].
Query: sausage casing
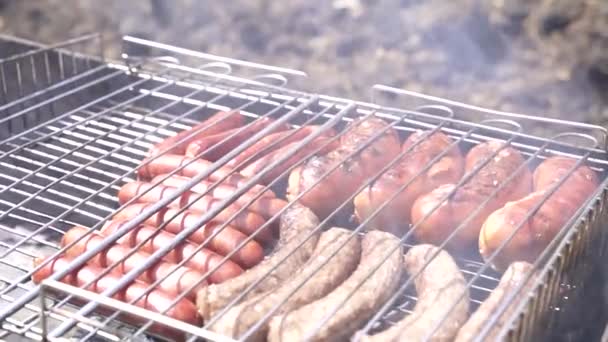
[
  {"x": 328, "y": 192},
  {"x": 395, "y": 215},
  {"x": 534, "y": 234},
  {"x": 447, "y": 215}
]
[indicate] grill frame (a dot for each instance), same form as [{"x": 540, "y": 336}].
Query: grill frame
[{"x": 524, "y": 329}]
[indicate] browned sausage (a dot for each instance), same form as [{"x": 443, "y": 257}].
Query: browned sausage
[
  {"x": 151, "y": 193},
  {"x": 170, "y": 163},
  {"x": 201, "y": 148},
  {"x": 452, "y": 212},
  {"x": 334, "y": 259},
  {"x": 245, "y": 221},
  {"x": 273, "y": 142},
  {"x": 223, "y": 190},
  {"x": 535, "y": 234},
  {"x": 217, "y": 123},
  {"x": 298, "y": 238},
  {"x": 202, "y": 260},
  {"x": 373, "y": 282},
  {"x": 510, "y": 281},
  {"x": 441, "y": 290},
  {"x": 155, "y": 300},
  {"x": 176, "y": 283},
  {"x": 227, "y": 240},
  {"x": 395, "y": 216},
  {"x": 329, "y": 193},
  {"x": 325, "y": 144}
]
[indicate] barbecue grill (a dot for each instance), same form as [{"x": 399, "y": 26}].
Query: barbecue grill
[{"x": 76, "y": 126}]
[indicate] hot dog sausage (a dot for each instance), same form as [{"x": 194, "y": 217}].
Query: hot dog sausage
[
  {"x": 223, "y": 190},
  {"x": 298, "y": 238},
  {"x": 371, "y": 292},
  {"x": 245, "y": 221},
  {"x": 155, "y": 300},
  {"x": 330, "y": 192},
  {"x": 333, "y": 260},
  {"x": 470, "y": 196},
  {"x": 176, "y": 283},
  {"x": 395, "y": 216},
  {"x": 170, "y": 163},
  {"x": 213, "y": 147},
  {"x": 202, "y": 260},
  {"x": 217, "y": 123},
  {"x": 326, "y": 145},
  {"x": 151, "y": 193},
  {"x": 272, "y": 142},
  {"x": 535, "y": 234},
  {"x": 227, "y": 240},
  {"x": 439, "y": 287}
]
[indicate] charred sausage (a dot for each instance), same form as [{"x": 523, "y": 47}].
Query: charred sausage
[
  {"x": 448, "y": 216},
  {"x": 171, "y": 164},
  {"x": 155, "y": 300},
  {"x": 143, "y": 192},
  {"x": 395, "y": 216},
  {"x": 323, "y": 143},
  {"x": 298, "y": 238},
  {"x": 226, "y": 241},
  {"x": 319, "y": 276},
  {"x": 511, "y": 280},
  {"x": 217, "y": 123},
  {"x": 328, "y": 193},
  {"x": 213, "y": 147},
  {"x": 202, "y": 260},
  {"x": 175, "y": 283},
  {"x": 371, "y": 292},
  {"x": 271, "y": 142},
  {"x": 534, "y": 234},
  {"x": 246, "y": 222},
  {"x": 438, "y": 286}
]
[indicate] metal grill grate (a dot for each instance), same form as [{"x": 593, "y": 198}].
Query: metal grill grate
[{"x": 71, "y": 140}]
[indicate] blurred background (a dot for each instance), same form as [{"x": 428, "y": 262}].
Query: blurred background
[{"x": 541, "y": 57}]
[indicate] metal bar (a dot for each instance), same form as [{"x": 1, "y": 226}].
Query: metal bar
[{"x": 130, "y": 276}]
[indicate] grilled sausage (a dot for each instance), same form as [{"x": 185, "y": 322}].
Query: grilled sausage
[
  {"x": 155, "y": 300},
  {"x": 452, "y": 212},
  {"x": 226, "y": 241},
  {"x": 314, "y": 280},
  {"x": 175, "y": 283},
  {"x": 151, "y": 193},
  {"x": 217, "y": 123},
  {"x": 395, "y": 216},
  {"x": 323, "y": 143},
  {"x": 534, "y": 234},
  {"x": 510, "y": 281},
  {"x": 329, "y": 193},
  {"x": 213, "y": 147},
  {"x": 219, "y": 191},
  {"x": 298, "y": 239},
  {"x": 272, "y": 142},
  {"x": 171, "y": 163},
  {"x": 371, "y": 292},
  {"x": 246, "y": 222},
  {"x": 202, "y": 260},
  {"x": 438, "y": 285}
]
